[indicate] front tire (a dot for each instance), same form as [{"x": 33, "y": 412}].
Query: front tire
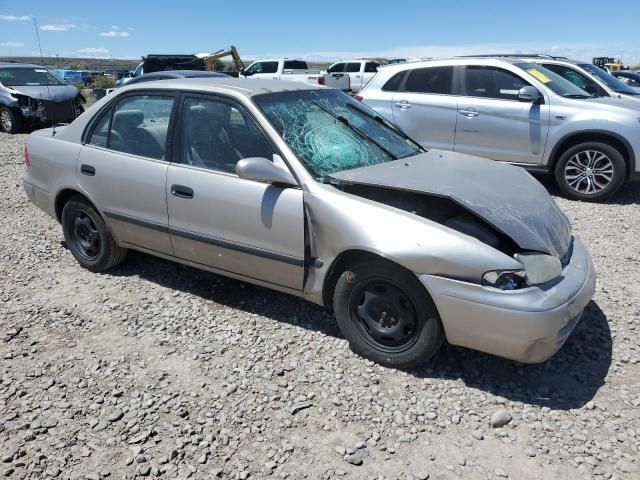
[
  {"x": 10, "y": 121},
  {"x": 387, "y": 315},
  {"x": 88, "y": 237},
  {"x": 590, "y": 171}
]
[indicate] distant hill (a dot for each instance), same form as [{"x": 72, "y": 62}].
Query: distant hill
[{"x": 71, "y": 62}]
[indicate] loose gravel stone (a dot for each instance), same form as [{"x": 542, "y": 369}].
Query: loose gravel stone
[
  {"x": 500, "y": 418},
  {"x": 172, "y": 365}
]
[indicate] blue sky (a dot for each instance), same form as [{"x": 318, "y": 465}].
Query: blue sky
[{"x": 321, "y": 29}]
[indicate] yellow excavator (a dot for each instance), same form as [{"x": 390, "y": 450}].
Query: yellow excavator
[{"x": 232, "y": 52}]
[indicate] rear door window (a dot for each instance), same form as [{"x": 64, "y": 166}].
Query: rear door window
[
  {"x": 436, "y": 80},
  {"x": 352, "y": 67},
  {"x": 140, "y": 124},
  {"x": 295, "y": 65},
  {"x": 337, "y": 68},
  {"x": 393, "y": 84}
]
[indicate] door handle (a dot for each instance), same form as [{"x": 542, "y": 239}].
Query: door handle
[
  {"x": 181, "y": 191},
  {"x": 87, "y": 170},
  {"x": 403, "y": 105},
  {"x": 469, "y": 112},
  {"x": 357, "y": 76}
]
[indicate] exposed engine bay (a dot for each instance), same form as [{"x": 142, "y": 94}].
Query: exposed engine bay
[{"x": 441, "y": 210}]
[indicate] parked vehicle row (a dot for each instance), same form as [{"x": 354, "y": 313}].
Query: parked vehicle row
[
  {"x": 360, "y": 72},
  {"x": 520, "y": 110},
  {"x": 294, "y": 71},
  {"x": 308, "y": 191}
]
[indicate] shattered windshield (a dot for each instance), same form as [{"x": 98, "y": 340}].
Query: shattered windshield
[{"x": 331, "y": 132}]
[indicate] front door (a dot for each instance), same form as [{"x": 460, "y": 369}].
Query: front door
[
  {"x": 217, "y": 219},
  {"x": 493, "y": 123},
  {"x": 426, "y": 108},
  {"x": 123, "y": 169}
]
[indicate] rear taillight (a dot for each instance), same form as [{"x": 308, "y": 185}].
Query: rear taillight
[
  {"x": 358, "y": 97},
  {"x": 321, "y": 80},
  {"x": 27, "y": 161}
]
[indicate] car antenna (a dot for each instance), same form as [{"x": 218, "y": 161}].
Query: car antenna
[{"x": 46, "y": 77}]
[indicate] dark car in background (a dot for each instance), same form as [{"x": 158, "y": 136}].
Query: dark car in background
[
  {"x": 150, "y": 77},
  {"x": 32, "y": 95}
]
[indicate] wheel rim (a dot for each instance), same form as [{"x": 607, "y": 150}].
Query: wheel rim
[
  {"x": 385, "y": 316},
  {"x": 6, "y": 120},
  {"x": 85, "y": 235},
  {"x": 589, "y": 172}
]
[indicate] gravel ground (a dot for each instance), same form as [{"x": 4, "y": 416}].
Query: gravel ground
[{"x": 160, "y": 370}]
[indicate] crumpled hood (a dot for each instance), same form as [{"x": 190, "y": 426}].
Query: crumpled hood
[
  {"x": 505, "y": 196},
  {"x": 58, "y": 93}
]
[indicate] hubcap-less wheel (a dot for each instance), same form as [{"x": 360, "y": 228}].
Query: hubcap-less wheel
[
  {"x": 589, "y": 172},
  {"x": 86, "y": 236},
  {"x": 6, "y": 120},
  {"x": 385, "y": 316}
]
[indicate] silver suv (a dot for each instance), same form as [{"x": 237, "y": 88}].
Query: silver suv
[{"x": 517, "y": 111}]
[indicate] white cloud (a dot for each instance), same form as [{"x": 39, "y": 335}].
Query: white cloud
[
  {"x": 11, "y": 44},
  {"x": 115, "y": 27},
  {"x": 579, "y": 52},
  {"x": 58, "y": 27},
  {"x": 14, "y": 18},
  {"x": 113, "y": 33},
  {"x": 96, "y": 50}
]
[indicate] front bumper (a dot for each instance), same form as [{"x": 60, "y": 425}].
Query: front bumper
[{"x": 528, "y": 325}]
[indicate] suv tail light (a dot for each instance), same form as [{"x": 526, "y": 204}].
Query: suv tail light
[
  {"x": 321, "y": 80},
  {"x": 358, "y": 97},
  {"x": 27, "y": 160}
]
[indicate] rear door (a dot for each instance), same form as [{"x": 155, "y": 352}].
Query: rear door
[
  {"x": 425, "y": 106},
  {"x": 493, "y": 123},
  {"x": 217, "y": 219},
  {"x": 123, "y": 168}
]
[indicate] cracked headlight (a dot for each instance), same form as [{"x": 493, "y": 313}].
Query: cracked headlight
[
  {"x": 539, "y": 267},
  {"x": 505, "y": 279}
]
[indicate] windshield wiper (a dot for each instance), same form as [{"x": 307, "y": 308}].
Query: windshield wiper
[
  {"x": 576, "y": 95},
  {"x": 346, "y": 122},
  {"x": 388, "y": 124}
]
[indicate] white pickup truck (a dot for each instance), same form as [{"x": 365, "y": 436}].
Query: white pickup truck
[
  {"x": 294, "y": 71},
  {"x": 359, "y": 72}
]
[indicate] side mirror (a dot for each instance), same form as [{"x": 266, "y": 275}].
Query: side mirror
[
  {"x": 529, "y": 94},
  {"x": 264, "y": 170}
]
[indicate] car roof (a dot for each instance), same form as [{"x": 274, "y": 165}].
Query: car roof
[
  {"x": 20, "y": 65},
  {"x": 246, "y": 87}
]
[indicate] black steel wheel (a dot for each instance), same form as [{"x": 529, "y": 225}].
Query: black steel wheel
[
  {"x": 387, "y": 315},
  {"x": 88, "y": 237}
]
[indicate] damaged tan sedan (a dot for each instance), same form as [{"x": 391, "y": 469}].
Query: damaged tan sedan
[{"x": 307, "y": 191}]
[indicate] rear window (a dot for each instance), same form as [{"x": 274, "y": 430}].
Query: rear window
[
  {"x": 295, "y": 65},
  {"x": 371, "y": 67},
  {"x": 393, "y": 84},
  {"x": 338, "y": 67},
  {"x": 430, "y": 80}
]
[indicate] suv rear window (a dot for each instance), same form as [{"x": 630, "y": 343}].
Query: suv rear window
[
  {"x": 430, "y": 80},
  {"x": 393, "y": 84}
]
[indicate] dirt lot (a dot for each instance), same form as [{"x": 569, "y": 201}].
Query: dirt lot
[{"x": 159, "y": 370}]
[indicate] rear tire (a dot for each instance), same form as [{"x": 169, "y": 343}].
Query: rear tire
[
  {"x": 387, "y": 315},
  {"x": 10, "y": 121},
  {"x": 88, "y": 237},
  {"x": 590, "y": 171}
]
